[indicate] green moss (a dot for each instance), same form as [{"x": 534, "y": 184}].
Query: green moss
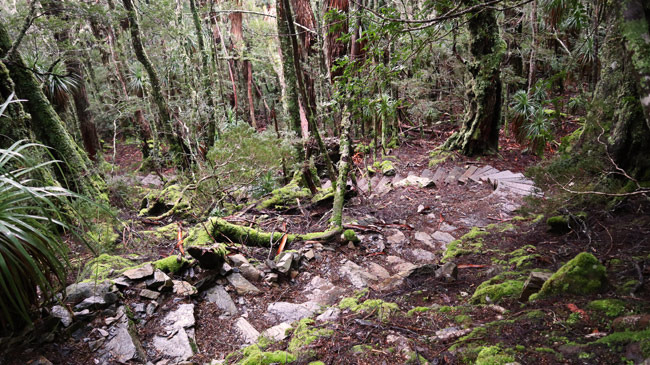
[
  {"x": 104, "y": 235},
  {"x": 439, "y": 156},
  {"x": 253, "y": 355},
  {"x": 415, "y": 358},
  {"x": 105, "y": 266},
  {"x": 285, "y": 196},
  {"x": 463, "y": 319},
  {"x": 323, "y": 194},
  {"x": 303, "y": 335},
  {"x": 493, "y": 355},
  {"x": 350, "y": 236},
  {"x": 360, "y": 349},
  {"x": 573, "y": 319},
  {"x": 446, "y": 309},
  {"x": 583, "y": 274},
  {"x": 170, "y": 200},
  {"x": 496, "y": 292},
  {"x": 536, "y": 314},
  {"x": 611, "y": 307},
  {"x": 383, "y": 309},
  {"x": 558, "y": 223},
  {"x": 316, "y": 363},
  {"x": 466, "y": 244},
  {"x": 624, "y": 338},
  {"x": 387, "y": 168},
  {"x": 627, "y": 287},
  {"x": 171, "y": 264},
  {"x": 416, "y": 310}
]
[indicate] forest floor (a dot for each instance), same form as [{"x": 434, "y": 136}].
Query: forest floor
[{"x": 380, "y": 300}]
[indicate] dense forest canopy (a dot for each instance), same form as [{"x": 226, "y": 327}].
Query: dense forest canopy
[{"x": 175, "y": 135}]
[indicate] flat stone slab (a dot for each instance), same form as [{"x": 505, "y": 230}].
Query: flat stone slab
[
  {"x": 177, "y": 347},
  {"x": 139, "y": 273},
  {"x": 182, "y": 317},
  {"x": 241, "y": 285},
  {"x": 421, "y": 255},
  {"x": 412, "y": 180},
  {"x": 278, "y": 332},
  {"x": 124, "y": 346},
  {"x": 425, "y": 238},
  {"x": 322, "y": 291},
  {"x": 397, "y": 238},
  {"x": 220, "y": 297},
  {"x": 290, "y": 312},
  {"x": 442, "y": 237},
  {"x": 378, "y": 270},
  {"x": 248, "y": 333},
  {"x": 357, "y": 276}
]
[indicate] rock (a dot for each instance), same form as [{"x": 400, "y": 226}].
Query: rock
[
  {"x": 442, "y": 237},
  {"x": 451, "y": 333},
  {"x": 394, "y": 260},
  {"x": 122, "y": 282},
  {"x": 400, "y": 342},
  {"x": 41, "y": 360},
  {"x": 582, "y": 275},
  {"x": 151, "y": 180},
  {"x": 396, "y": 238},
  {"x": 290, "y": 312},
  {"x": 322, "y": 291},
  {"x": 421, "y": 255},
  {"x": 159, "y": 281},
  {"x": 378, "y": 271},
  {"x": 151, "y": 308},
  {"x": 330, "y": 315},
  {"x": 448, "y": 271},
  {"x": 358, "y": 277},
  {"x": 241, "y": 285},
  {"x": 533, "y": 284},
  {"x": 139, "y": 307},
  {"x": 149, "y": 294},
  {"x": 412, "y": 180},
  {"x": 271, "y": 278},
  {"x": 63, "y": 314},
  {"x": 222, "y": 299},
  {"x": 309, "y": 255},
  {"x": 83, "y": 315},
  {"x": 250, "y": 272},
  {"x": 425, "y": 238},
  {"x": 210, "y": 258},
  {"x": 404, "y": 267},
  {"x": 75, "y": 293},
  {"x": 124, "y": 346},
  {"x": 444, "y": 227},
  {"x": 140, "y": 272},
  {"x": 238, "y": 260},
  {"x": 248, "y": 333},
  {"x": 182, "y": 317},
  {"x": 278, "y": 332},
  {"x": 284, "y": 262},
  {"x": 177, "y": 347},
  {"x": 94, "y": 303},
  {"x": 183, "y": 288},
  {"x": 632, "y": 323}
]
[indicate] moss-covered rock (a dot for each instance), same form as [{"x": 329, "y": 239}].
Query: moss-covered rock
[
  {"x": 610, "y": 307},
  {"x": 168, "y": 201},
  {"x": 303, "y": 335},
  {"x": 253, "y": 355},
  {"x": 382, "y": 309},
  {"x": 387, "y": 168},
  {"x": 627, "y": 337},
  {"x": 350, "y": 236},
  {"x": 171, "y": 264},
  {"x": 466, "y": 244},
  {"x": 497, "y": 292},
  {"x": 582, "y": 275},
  {"x": 558, "y": 224},
  {"x": 105, "y": 266}
]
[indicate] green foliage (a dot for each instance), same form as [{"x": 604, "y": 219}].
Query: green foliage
[
  {"x": 31, "y": 252},
  {"x": 531, "y": 121}
]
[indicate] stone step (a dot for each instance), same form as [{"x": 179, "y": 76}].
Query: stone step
[
  {"x": 439, "y": 176},
  {"x": 483, "y": 171},
  {"x": 502, "y": 175},
  {"x": 453, "y": 175},
  {"x": 469, "y": 172}
]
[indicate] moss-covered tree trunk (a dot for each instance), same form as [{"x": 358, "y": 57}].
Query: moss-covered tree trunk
[
  {"x": 173, "y": 137},
  {"x": 46, "y": 124},
  {"x": 636, "y": 28},
  {"x": 480, "y": 131},
  {"x": 618, "y": 106},
  {"x": 344, "y": 169}
]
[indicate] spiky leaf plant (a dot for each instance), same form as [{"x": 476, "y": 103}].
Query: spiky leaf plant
[{"x": 33, "y": 257}]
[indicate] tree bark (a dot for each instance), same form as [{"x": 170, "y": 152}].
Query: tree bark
[
  {"x": 344, "y": 169},
  {"x": 174, "y": 138},
  {"x": 480, "y": 131},
  {"x": 47, "y": 126}
]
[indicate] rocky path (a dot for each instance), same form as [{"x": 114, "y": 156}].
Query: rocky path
[{"x": 145, "y": 316}]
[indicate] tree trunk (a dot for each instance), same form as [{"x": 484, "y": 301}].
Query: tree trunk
[
  {"x": 174, "y": 138},
  {"x": 344, "y": 169},
  {"x": 618, "y": 105},
  {"x": 47, "y": 126},
  {"x": 289, "y": 71},
  {"x": 249, "y": 89},
  {"x": 480, "y": 131},
  {"x": 533, "y": 46}
]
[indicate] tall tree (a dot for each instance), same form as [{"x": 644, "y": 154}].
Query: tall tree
[
  {"x": 480, "y": 131},
  {"x": 46, "y": 123},
  {"x": 172, "y": 134}
]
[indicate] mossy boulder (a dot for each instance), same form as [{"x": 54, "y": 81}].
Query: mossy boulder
[
  {"x": 387, "y": 168},
  {"x": 172, "y": 264},
  {"x": 468, "y": 243},
  {"x": 497, "y": 292},
  {"x": 157, "y": 203},
  {"x": 383, "y": 310},
  {"x": 582, "y": 275},
  {"x": 558, "y": 224},
  {"x": 105, "y": 266}
]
